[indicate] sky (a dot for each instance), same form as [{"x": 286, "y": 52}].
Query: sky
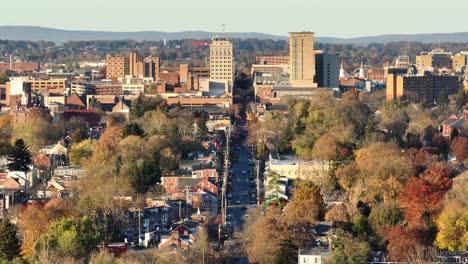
[{"x": 328, "y": 18}]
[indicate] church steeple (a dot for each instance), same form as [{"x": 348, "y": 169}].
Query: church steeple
[
  {"x": 342, "y": 71},
  {"x": 362, "y": 74}
]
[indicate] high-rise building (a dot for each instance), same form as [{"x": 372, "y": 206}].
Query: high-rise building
[
  {"x": 134, "y": 65},
  {"x": 302, "y": 59},
  {"x": 222, "y": 61},
  {"x": 421, "y": 88},
  {"x": 116, "y": 66},
  {"x": 458, "y": 62},
  {"x": 327, "y": 70}
]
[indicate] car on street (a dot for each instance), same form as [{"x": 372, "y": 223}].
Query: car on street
[
  {"x": 244, "y": 171},
  {"x": 246, "y": 193},
  {"x": 230, "y": 195},
  {"x": 238, "y": 202}
]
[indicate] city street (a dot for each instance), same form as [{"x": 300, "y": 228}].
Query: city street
[{"x": 242, "y": 191}]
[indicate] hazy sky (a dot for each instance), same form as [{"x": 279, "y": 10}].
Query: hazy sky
[{"x": 337, "y": 18}]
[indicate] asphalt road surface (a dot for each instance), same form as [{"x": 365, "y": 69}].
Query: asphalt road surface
[{"x": 242, "y": 190}]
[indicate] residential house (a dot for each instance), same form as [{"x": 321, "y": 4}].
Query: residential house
[
  {"x": 192, "y": 165},
  {"x": 73, "y": 171},
  {"x": 211, "y": 174},
  {"x": 206, "y": 186},
  {"x": 56, "y": 149},
  {"x": 293, "y": 168},
  {"x": 181, "y": 235},
  {"x": 121, "y": 109},
  {"x": 314, "y": 256},
  {"x": 455, "y": 125},
  {"x": 320, "y": 252},
  {"x": 177, "y": 206},
  {"x": 59, "y": 187}
]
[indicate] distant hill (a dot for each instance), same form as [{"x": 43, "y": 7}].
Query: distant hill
[{"x": 60, "y": 36}]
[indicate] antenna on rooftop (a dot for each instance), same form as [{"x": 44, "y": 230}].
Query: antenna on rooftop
[{"x": 224, "y": 29}]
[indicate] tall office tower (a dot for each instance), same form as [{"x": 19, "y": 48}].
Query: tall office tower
[
  {"x": 151, "y": 67},
  {"x": 222, "y": 61},
  {"x": 327, "y": 70},
  {"x": 134, "y": 65},
  {"x": 115, "y": 66},
  {"x": 302, "y": 59}
]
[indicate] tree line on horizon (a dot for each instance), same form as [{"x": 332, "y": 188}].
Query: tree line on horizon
[{"x": 176, "y": 52}]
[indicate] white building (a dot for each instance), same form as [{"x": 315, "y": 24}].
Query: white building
[
  {"x": 312, "y": 256},
  {"x": 222, "y": 62}
]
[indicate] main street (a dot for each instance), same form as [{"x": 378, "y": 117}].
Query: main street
[{"x": 242, "y": 190}]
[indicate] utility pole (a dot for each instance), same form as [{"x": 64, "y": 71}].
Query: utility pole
[
  {"x": 180, "y": 209},
  {"x": 186, "y": 200},
  {"x": 258, "y": 182},
  {"x": 139, "y": 227}
]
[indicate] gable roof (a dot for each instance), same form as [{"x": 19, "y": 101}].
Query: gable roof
[
  {"x": 190, "y": 182},
  {"x": 75, "y": 100},
  {"x": 42, "y": 159},
  {"x": 120, "y": 106}
]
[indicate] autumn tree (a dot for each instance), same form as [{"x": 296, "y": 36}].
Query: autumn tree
[
  {"x": 460, "y": 148},
  {"x": 374, "y": 178},
  {"x": 394, "y": 119},
  {"x": 81, "y": 151},
  {"x": 37, "y": 132},
  {"x": 35, "y": 219},
  {"x": 265, "y": 134},
  {"x": 422, "y": 196},
  {"x": 307, "y": 204},
  {"x": 453, "y": 221},
  {"x": 106, "y": 147},
  {"x": 267, "y": 236},
  {"x": 338, "y": 214},
  {"x": 102, "y": 200},
  {"x": 79, "y": 134},
  {"x": 402, "y": 241},
  {"x": 33, "y": 222}
]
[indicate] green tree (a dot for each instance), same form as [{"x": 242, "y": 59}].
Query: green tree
[
  {"x": 10, "y": 246},
  {"x": 136, "y": 109},
  {"x": 19, "y": 158},
  {"x": 348, "y": 249},
  {"x": 273, "y": 183},
  {"x": 117, "y": 166},
  {"x": 145, "y": 172},
  {"x": 4, "y": 77},
  {"x": 133, "y": 129},
  {"x": 287, "y": 253},
  {"x": 71, "y": 237},
  {"x": 202, "y": 129},
  {"x": 79, "y": 152},
  {"x": 79, "y": 135}
]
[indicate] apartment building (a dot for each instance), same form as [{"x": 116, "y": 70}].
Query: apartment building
[
  {"x": 302, "y": 59},
  {"x": 134, "y": 65}
]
